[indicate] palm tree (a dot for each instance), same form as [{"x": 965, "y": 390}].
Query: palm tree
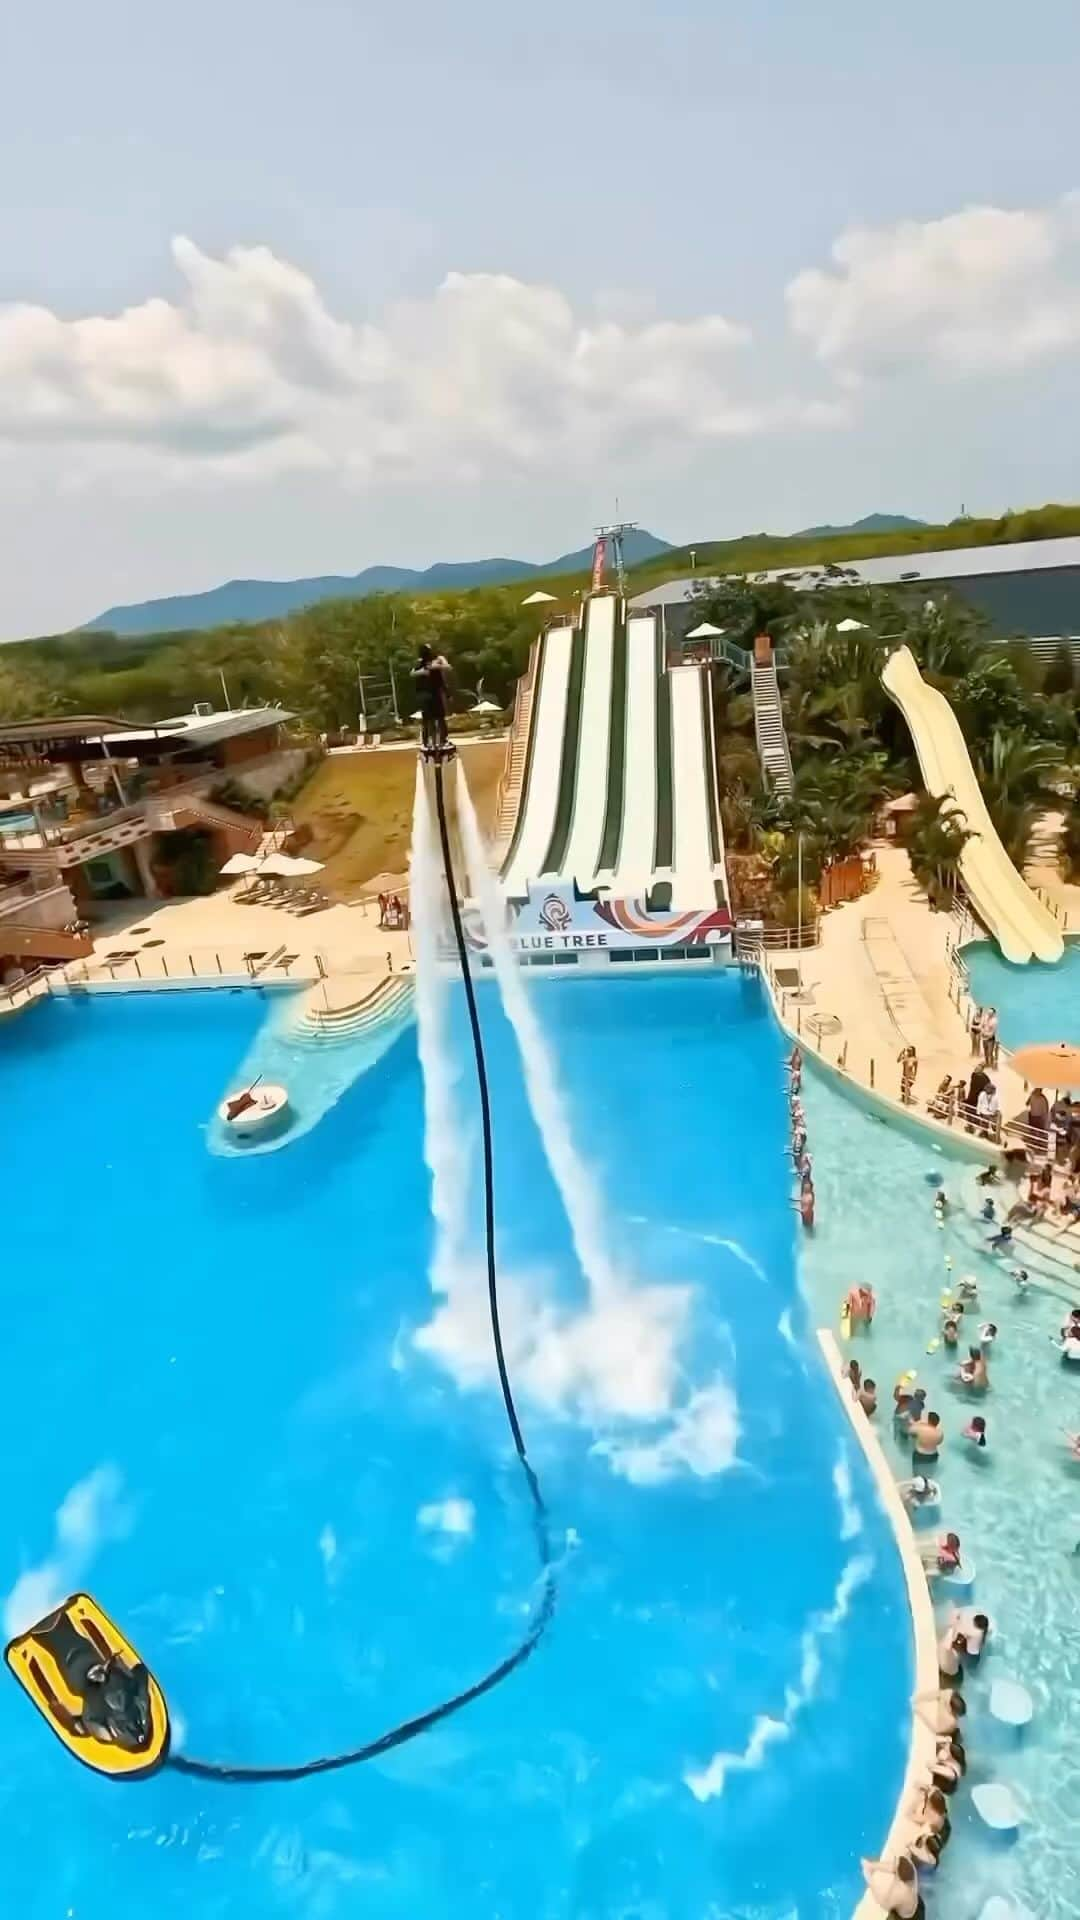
[
  {"x": 936, "y": 840},
  {"x": 1016, "y": 775}
]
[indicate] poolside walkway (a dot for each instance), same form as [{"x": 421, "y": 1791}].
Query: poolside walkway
[
  {"x": 216, "y": 934},
  {"x": 881, "y": 980}
]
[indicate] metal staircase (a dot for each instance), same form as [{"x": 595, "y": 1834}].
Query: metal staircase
[
  {"x": 769, "y": 732},
  {"x": 509, "y": 794}
]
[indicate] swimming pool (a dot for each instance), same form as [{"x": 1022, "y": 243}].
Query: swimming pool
[
  {"x": 1014, "y": 1507},
  {"x": 1036, "y": 1004},
  {"x": 240, "y": 1417}
]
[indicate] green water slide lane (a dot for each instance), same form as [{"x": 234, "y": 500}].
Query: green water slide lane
[
  {"x": 564, "y": 809},
  {"x": 611, "y": 838}
]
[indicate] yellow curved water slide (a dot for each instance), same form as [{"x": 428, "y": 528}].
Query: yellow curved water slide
[{"x": 1023, "y": 928}]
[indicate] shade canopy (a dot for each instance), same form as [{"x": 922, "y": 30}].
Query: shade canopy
[
  {"x": 850, "y": 626},
  {"x": 241, "y": 863},
  {"x": 705, "y": 631},
  {"x": 486, "y": 706},
  {"x": 537, "y": 599},
  {"x": 1056, "y": 1066}
]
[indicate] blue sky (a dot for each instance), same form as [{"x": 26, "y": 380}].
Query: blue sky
[{"x": 450, "y": 278}]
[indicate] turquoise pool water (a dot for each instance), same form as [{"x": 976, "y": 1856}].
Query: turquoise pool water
[
  {"x": 236, "y": 1413},
  {"x": 1016, "y": 1508},
  {"x": 1036, "y": 1004}
]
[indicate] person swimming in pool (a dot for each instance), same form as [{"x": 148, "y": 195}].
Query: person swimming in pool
[{"x": 973, "y": 1372}]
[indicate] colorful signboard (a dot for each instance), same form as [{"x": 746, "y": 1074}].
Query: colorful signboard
[{"x": 553, "y": 919}]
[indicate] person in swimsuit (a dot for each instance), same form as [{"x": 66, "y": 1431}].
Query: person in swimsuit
[
  {"x": 951, "y": 1648},
  {"x": 974, "y": 1627},
  {"x": 950, "y": 1764},
  {"x": 935, "y": 1828},
  {"x": 926, "y": 1436},
  {"x": 973, "y": 1373},
  {"x": 895, "y": 1886},
  {"x": 941, "y": 1709}
]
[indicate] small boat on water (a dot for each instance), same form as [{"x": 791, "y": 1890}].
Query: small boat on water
[{"x": 254, "y": 1110}]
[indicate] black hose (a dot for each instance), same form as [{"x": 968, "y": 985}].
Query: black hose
[{"x": 545, "y": 1607}]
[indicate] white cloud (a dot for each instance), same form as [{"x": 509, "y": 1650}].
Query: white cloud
[
  {"x": 981, "y": 290},
  {"x": 248, "y": 369},
  {"x": 453, "y": 1517},
  {"x": 92, "y": 1512}
]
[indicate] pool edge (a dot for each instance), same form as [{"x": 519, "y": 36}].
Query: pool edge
[{"x": 924, "y": 1633}]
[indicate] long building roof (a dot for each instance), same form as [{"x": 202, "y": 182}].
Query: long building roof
[{"x": 887, "y": 570}]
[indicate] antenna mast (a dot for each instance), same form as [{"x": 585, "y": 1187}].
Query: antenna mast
[{"x": 613, "y": 534}]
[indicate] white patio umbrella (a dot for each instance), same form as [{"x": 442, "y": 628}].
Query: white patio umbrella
[
  {"x": 537, "y": 599},
  {"x": 705, "y": 631},
  {"x": 417, "y": 715},
  {"x": 486, "y": 706},
  {"x": 850, "y": 626},
  {"x": 241, "y": 863},
  {"x": 289, "y": 866}
]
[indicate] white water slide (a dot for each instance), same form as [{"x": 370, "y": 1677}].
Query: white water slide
[
  {"x": 539, "y": 799},
  {"x": 637, "y": 841},
  {"x": 1021, "y": 925},
  {"x": 582, "y": 854},
  {"x": 695, "y": 871},
  {"x": 651, "y": 778}
]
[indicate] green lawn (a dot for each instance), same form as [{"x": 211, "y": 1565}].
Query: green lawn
[{"x": 359, "y": 808}]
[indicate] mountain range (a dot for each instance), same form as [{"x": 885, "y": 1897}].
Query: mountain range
[
  {"x": 273, "y": 599},
  {"x": 254, "y": 600},
  {"x": 870, "y": 523}
]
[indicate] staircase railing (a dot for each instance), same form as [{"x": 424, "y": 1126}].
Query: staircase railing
[
  {"x": 508, "y": 792},
  {"x": 770, "y": 733}
]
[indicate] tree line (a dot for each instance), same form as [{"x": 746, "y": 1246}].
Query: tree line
[{"x": 326, "y": 663}]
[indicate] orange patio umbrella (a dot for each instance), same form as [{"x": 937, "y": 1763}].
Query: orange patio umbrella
[{"x": 1056, "y": 1066}]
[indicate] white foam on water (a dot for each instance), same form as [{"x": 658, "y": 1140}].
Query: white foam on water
[
  {"x": 453, "y": 1517},
  {"x": 708, "y": 1782},
  {"x": 851, "y": 1519},
  {"x": 613, "y": 1362},
  {"x": 91, "y": 1513},
  {"x": 446, "y": 1149},
  {"x": 576, "y": 1187}
]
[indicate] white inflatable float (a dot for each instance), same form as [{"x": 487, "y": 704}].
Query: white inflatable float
[
  {"x": 253, "y": 1110},
  {"x": 1011, "y": 1703},
  {"x": 997, "y": 1807}
]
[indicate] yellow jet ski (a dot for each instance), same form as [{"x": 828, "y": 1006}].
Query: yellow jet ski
[{"x": 96, "y": 1694}]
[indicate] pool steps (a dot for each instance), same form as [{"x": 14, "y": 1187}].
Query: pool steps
[{"x": 321, "y": 1022}]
